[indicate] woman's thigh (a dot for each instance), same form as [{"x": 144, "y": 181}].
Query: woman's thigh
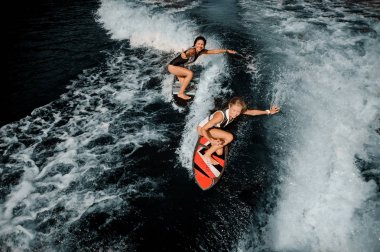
[
  {"x": 179, "y": 71},
  {"x": 221, "y": 134}
]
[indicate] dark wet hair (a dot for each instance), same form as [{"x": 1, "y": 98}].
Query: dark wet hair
[
  {"x": 238, "y": 101},
  {"x": 199, "y": 38}
]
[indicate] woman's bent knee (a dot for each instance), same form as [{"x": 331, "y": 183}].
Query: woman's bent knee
[
  {"x": 190, "y": 74},
  {"x": 229, "y": 138}
]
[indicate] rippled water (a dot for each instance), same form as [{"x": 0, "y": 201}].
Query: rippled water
[{"x": 104, "y": 159}]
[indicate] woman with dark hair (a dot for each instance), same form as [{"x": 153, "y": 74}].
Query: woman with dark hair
[
  {"x": 178, "y": 65},
  {"x": 212, "y": 127}
]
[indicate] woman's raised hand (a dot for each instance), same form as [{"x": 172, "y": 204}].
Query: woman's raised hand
[
  {"x": 183, "y": 54},
  {"x": 216, "y": 142},
  {"x": 231, "y": 51},
  {"x": 274, "y": 109}
]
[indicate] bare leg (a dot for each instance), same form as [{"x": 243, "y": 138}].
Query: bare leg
[
  {"x": 210, "y": 151},
  {"x": 181, "y": 79},
  {"x": 222, "y": 135},
  {"x": 219, "y": 151},
  {"x": 184, "y": 75}
]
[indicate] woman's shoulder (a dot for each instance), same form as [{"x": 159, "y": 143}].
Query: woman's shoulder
[{"x": 219, "y": 114}]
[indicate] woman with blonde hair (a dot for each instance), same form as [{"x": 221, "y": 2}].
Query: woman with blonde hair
[{"x": 212, "y": 126}]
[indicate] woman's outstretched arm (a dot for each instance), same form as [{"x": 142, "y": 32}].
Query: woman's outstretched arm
[
  {"x": 254, "y": 112},
  {"x": 217, "y": 51}
]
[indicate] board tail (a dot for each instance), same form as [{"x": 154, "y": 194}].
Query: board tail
[{"x": 206, "y": 174}]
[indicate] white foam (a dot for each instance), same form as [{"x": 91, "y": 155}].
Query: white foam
[
  {"x": 125, "y": 20},
  {"x": 329, "y": 91},
  {"x": 209, "y": 87},
  {"x": 323, "y": 184},
  {"x": 77, "y": 157},
  {"x": 106, "y": 102},
  {"x": 161, "y": 31},
  {"x": 25, "y": 231},
  {"x": 21, "y": 192}
]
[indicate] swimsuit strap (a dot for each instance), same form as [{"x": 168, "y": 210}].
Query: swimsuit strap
[{"x": 225, "y": 120}]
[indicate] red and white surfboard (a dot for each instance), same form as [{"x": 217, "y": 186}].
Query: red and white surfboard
[{"x": 207, "y": 175}]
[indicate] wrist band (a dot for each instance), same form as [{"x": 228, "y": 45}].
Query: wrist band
[{"x": 268, "y": 111}]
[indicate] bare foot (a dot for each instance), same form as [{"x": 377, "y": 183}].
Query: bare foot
[
  {"x": 211, "y": 160},
  {"x": 183, "y": 96}
]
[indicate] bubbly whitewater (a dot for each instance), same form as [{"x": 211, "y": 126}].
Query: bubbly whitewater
[
  {"x": 108, "y": 164},
  {"x": 329, "y": 89}
]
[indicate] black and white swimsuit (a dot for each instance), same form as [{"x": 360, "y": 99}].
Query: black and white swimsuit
[{"x": 224, "y": 123}]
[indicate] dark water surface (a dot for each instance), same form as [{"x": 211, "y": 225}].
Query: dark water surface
[
  {"x": 94, "y": 155},
  {"x": 48, "y": 44}
]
